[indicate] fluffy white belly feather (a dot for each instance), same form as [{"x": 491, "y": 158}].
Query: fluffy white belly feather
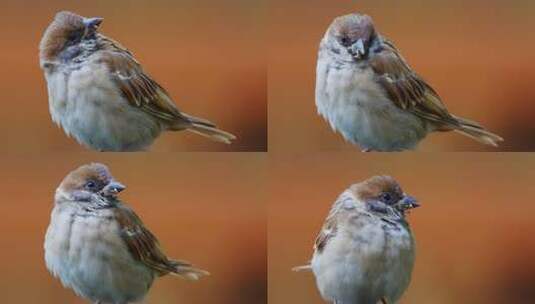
[
  {"x": 96, "y": 263},
  {"x": 90, "y": 108},
  {"x": 361, "y": 266},
  {"x": 357, "y": 107}
]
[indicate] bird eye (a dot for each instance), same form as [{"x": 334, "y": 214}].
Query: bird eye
[
  {"x": 90, "y": 185},
  {"x": 386, "y": 197}
]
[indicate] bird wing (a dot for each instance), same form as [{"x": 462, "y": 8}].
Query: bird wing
[
  {"x": 145, "y": 248},
  {"x": 135, "y": 85},
  {"x": 142, "y": 244},
  {"x": 406, "y": 89},
  {"x": 328, "y": 231}
]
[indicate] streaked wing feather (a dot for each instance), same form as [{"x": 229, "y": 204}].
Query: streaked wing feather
[
  {"x": 406, "y": 89},
  {"x": 328, "y": 231},
  {"x": 142, "y": 244},
  {"x": 136, "y": 86}
]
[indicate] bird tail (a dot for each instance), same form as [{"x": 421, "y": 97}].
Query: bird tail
[
  {"x": 475, "y": 131},
  {"x": 186, "y": 271},
  {"x": 302, "y": 268},
  {"x": 205, "y": 128}
]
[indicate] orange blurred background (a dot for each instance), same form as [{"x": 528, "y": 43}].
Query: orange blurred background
[
  {"x": 479, "y": 55},
  {"x": 204, "y": 208},
  {"x": 474, "y": 231},
  {"x": 209, "y": 55}
]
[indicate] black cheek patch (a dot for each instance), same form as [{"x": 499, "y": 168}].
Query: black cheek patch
[
  {"x": 81, "y": 196},
  {"x": 377, "y": 207},
  {"x": 69, "y": 53}
]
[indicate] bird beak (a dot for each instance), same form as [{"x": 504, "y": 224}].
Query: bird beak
[
  {"x": 357, "y": 49},
  {"x": 113, "y": 188},
  {"x": 93, "y": 22},
  {"x": 408, "y": 202}
]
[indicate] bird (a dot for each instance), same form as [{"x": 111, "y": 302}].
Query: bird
[
  {"x": 99, "y": 247},
  {"x": 100, "y": 94},
  {"x": 364, "y": 253},
  {"x": 368, "y": 93}
]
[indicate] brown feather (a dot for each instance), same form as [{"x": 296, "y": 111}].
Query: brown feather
[
  {"x": 137, "y": 87},
  {"x": 55, "y": 36},
  {"x": 410, "y": 92},
  {"x": 327, "y": 232},
  {"x": 374, "y": 186},
  {"x": 406, "y": 89},
  {"x": 145, "y": 248},
  {"x": 76, "y": 179}
]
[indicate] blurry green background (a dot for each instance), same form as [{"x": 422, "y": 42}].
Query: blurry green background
[
  {"x": 204, "y": 208},
  {"x": 474, "y": 230},
  {"x": 209, "y": 55},
  {"x": 479, "y": 55}
]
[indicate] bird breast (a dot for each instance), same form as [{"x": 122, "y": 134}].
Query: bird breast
[
  {"x": 355, "y": 105},
  {"x": 87, "y": 104},
  {"x": 366, "y": 260},
  {"x": 85, "y": 250}
]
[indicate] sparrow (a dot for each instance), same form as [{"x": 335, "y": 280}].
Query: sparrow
[
  {"x": 367, "y": 92},
  {"x": 100, "y": 95},
  {"x": 364, "y": 254},
  {"x": 97, "y": 245}
]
